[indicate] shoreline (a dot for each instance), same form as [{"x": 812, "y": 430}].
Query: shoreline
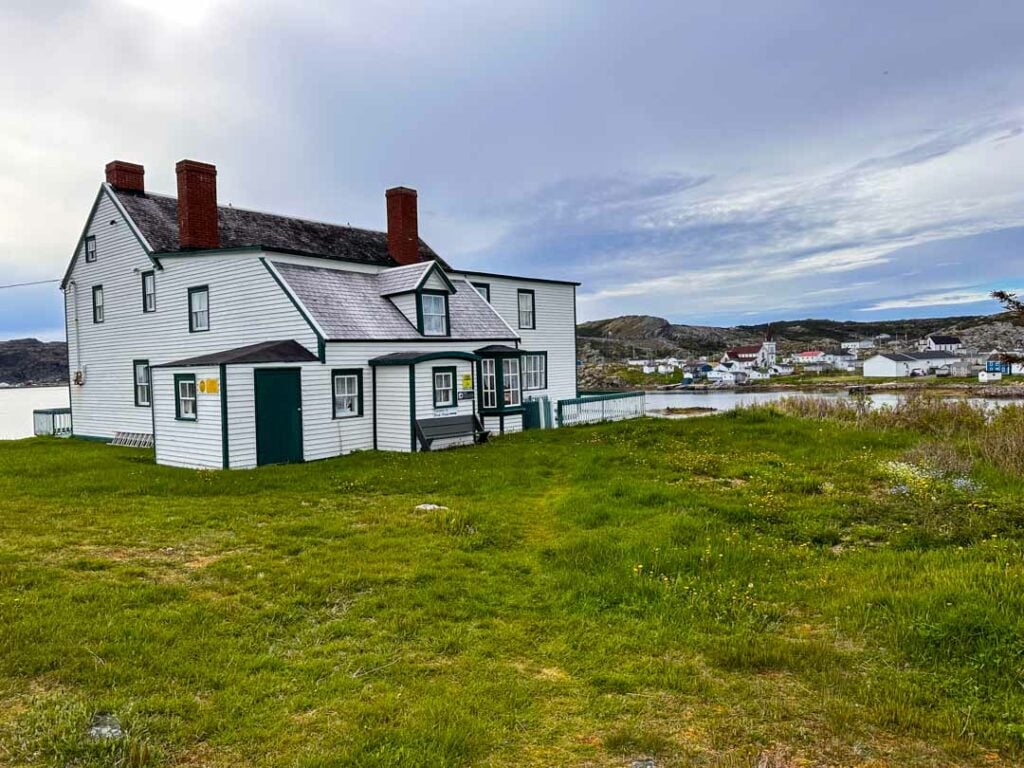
[{"x": 54, "y": 385}]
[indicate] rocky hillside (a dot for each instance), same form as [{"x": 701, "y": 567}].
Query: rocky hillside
[
  {"x": 620, "y": 338},
  {"x": 30, "y": 361}
]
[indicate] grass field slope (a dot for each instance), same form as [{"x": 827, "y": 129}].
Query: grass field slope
[{"x": 753, "y": 589}]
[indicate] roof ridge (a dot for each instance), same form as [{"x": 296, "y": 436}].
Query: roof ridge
[{"x": 264, "y": 213}]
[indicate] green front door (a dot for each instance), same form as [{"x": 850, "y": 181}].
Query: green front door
[{"x": 278, "y": 415}]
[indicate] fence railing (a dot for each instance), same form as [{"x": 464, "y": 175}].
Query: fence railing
[
  {"x": 596, "y": 408},
  {"x": 52, "y": 421}
]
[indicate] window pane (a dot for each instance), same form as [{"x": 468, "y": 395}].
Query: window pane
[
  {"x": 346, "y": 396},
  {"x": 525, "y": 310},
  {"x": 433, "y": 315},
  {"x": 490, "y": 389},
  {"x": 199, "y": 306},
  {"x": 510, "y": 380}
]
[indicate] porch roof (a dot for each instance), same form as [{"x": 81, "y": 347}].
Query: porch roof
[
  {"x": 288, "y": 351},
  {"x": 411, "y": 358}
]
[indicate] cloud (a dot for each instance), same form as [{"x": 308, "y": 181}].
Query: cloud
[{"x": 965, "y": 296}]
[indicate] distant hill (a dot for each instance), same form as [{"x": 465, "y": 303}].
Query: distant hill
[
  {"x": 30, "y": 361},
  {"x": 619, "y": 338}
]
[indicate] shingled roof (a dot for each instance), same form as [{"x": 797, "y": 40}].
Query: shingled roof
[
  {"x": 348, "y": 306},
  {"x": 156, "y": 216}
]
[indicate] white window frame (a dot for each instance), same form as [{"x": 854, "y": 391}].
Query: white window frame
[
  {"x": 489, "y": 382},
  {"x": 527, "y": 315},
  {"x": 187, "y": 405},
  {"x": 449, "y": 374},
  {"x": 347, "y": 404},
  {"x": 198, "y": 319},
  {"x": 149, "y": 291},
  {"x": 143, "y": 384},
  {"x": 438, "y": 319},
  {"x": 98, "y": 308},
  {"x": 511, "y": 382},
  {"x": 535, "y": 373}
]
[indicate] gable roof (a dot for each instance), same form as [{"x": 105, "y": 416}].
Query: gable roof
[
  {"x": 289, "y": 351},
  {"x": 156, "y": 216},
  {"x": 349, "y": 306},
  {"x": 410, "y": 278},
  {"x": 915, "y": 357},
  {"x": 936, "y": 339}
]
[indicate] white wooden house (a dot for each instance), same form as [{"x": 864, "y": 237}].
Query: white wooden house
[{"x": 233, "y": 338}]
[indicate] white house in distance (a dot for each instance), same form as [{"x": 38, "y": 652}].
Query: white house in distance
[
  {"x": 939, "y": 343},
  {"x": 898, "y": 364},
  {"x": 231, "y": 338},
  {"x": 750, "y": 357}
]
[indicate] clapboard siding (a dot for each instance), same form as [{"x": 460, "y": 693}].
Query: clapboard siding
[
  {"x": 555, "y": 308},
  {"x": 246, "y": 306},
  {"x": 195, "y": 444}
]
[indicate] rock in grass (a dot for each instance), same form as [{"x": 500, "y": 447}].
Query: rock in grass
[
  {"x": 644, "y": 762},
  {"x": 429, "y": 507},
  {"x": 105, "y": 727}
]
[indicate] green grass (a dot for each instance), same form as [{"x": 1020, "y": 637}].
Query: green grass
[{"x": 739, "y": 590}]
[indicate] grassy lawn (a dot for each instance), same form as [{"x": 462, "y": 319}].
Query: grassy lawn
[{"x": 736, "y": 591}]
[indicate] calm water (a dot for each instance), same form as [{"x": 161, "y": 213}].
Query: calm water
[{"x": 16, "y": 406}]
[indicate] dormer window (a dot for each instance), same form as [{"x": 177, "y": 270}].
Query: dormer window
[{"x": 434, "y": 314}]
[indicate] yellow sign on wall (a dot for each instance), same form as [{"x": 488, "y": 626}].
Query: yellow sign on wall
[
  {"x": 209, "y": 386},
  {"x": 467, "y": 381}
]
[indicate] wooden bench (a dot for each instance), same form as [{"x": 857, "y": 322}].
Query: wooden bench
[{"x": 450, "y": 428}]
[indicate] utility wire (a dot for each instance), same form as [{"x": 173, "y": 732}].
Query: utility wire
[{"x": 22, "y": 285}]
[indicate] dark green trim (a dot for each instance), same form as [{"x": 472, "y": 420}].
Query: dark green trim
[
  {"x": 177, "y": 397},
  {"x": 373, "y": 376},
  {"x": 428, "y": 356},
  {"x": 224, "y": 447},
  {"x": 135, "y": 384},
  {"x": 148, "y": 273},
  {"x": 209, "y": 313},
  {"x": 321, "y": 342},
  {"x": 358, "y": 373},
  {"x": 575, "y": 351},
  {"x": 533, "y": 306},
  {"x": 499, "y": 385},
  {"x": 421, "y": 340},
  {"x": 99, "y": 288},
  {"x": 92, "y": 438},
  {"x": 67, "y": 346},
  {"x": 486, "y": 286},
  {"x": 450, "y": 369},
  {"x": 412, "y": 407},
  {"x": 95, "y": 254},
  {"x": 435, "y": 267},
  {"x": 420, "y": 293},
  {"x": 515, "y": 277},
  {"x": 522, "y": 372}
]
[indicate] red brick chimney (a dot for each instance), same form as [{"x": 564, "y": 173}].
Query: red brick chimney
[
  {"x": 403, "y": 230},
  {"x": 125, "y": 176},
  {"x": 197, "y": 205}
]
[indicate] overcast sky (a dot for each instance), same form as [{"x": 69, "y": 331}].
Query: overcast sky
[{"x": 710, "y": 162}]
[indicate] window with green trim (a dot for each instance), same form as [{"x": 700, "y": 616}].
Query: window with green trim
[
  {"x": 185, "y": 404},
  {"x": 444, "y": 387},
  {"x": 488, "y": 383},
  {"x": 143, "y": 386},
  {"x": 535, "y": 370},
  {"x": 347, "y": 388},
  {"x": 198, "y": 309},
  {"x": 149, "y": 291},
  {"x": 510, "y": 381},
  {"x": 90, "y": 249},
  {"x": 527, "y": 310},
  {"x": 98, "y": 313},
  {"x": 435, "y": 314}
]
